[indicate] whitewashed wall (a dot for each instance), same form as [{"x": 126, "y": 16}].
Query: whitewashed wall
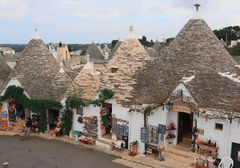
[
  {"x": 158, "y": 116},
  {"x": 136, "y": 123},
  {"x": 117, "y": 110},
  {"x": 221, "y": 136},
  {"x": 185, "y": 92},
  {"x": 5, "y": 106},
  {"x": 87, "y": 112},
  {"x": 173, "y": 117},
  {"x": 120, "y": 111}
]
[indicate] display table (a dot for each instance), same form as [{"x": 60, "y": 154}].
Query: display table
[{"x": 152, "y": 150}]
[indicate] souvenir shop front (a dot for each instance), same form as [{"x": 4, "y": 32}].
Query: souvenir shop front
[
  {"x": 172, "y": 124},
  {"x": 120, "y": 133},
  {"x": 15, "y": 111},
  {"x": 108, "y": 123},
  {"x": 53, "y": 117},
  {"x": 85, "y": 127},
  {"x": 216, "y": 138}
]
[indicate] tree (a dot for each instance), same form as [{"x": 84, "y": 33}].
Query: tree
[
  {"x": 67, "y": 117},
  {"x": 235, "y": 50},
  {"x": 228, "y": 33},
  {"x": 145, "y": 42}
]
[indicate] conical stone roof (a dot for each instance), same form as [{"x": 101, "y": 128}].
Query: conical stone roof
[
  {"x": 152, "y": 52},
  {"x": 86, "y": 85},
  {"x": 117, "y": 45},
  {"x": 37, "y": 69},
  {"x": 195, "y": 52},
  {"x": 197, "y": 44},
  {"x": 158, "y": 46},
  {"x": 95, "y": 54},
  {"x": 4, "y": 73},
  {"x": 129, "y": 57}
]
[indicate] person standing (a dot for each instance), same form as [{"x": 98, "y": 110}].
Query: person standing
[{"x": 28, "y": 126}]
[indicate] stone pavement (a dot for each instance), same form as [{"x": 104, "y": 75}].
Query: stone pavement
[
  {"x": 129, "y": 163},
  {"x": 174, "y": 157}
]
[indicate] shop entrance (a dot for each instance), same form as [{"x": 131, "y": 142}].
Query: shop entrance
[
  {"x": 185, "y": 121},
  {"x": 20, "y": 111},
  {"x": 16, "y": 111},
  {"x": 106, "y": 120},
  {"x": 236, "y": 155},
  {"x": 53, "y": 116}
]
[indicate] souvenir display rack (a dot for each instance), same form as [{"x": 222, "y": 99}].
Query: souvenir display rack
[
  {"x": 206, "y": 152},
  {"x": 11, "y": 110},
  {"x": 170, "y": 132},
  {"x": 3, "y": 119},
  {"x": 89, "y": 135}
]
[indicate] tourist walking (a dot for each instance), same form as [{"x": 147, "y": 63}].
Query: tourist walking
[{"x": 28, "y": 126}]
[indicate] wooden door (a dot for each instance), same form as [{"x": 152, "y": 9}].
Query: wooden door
[{"x": 180, "y": 127}]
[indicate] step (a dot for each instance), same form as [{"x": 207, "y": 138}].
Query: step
[
  {"x": 187, "y": 140},
  {"x": 179, "y": 150},
  {"x": 106, "y": 143}
]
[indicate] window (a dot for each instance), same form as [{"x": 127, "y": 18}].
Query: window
[
  {"x": 218, "y": 126},
  {"x": 114, "y": 70},
  {"x": 79, "y": 111}
]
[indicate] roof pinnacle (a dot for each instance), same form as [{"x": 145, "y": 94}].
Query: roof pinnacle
[
  {"x": 130, "y": 33},
  {"x": 196, "y": 14},
  {"x": 36, "y": 34},
  {"x": 197, "y": 6},
  {"x": 130, "y": 28}
]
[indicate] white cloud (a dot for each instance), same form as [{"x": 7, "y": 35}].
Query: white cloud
[
  {"x": 164, "y": 8},
  {"x": 102, "y": 9},
  {"x": 13, "y": 9},
  {"x": 109, "y": 19}
]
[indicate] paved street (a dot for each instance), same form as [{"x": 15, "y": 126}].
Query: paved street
[{"x": 33, "y": 152}]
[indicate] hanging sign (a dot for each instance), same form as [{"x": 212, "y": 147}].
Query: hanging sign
[
  {"x": 162, "y": 129},
  {"x": 181, "y": 107},
  {"x": 144, "y": 135},
  {"x": 154, "y": 135}
]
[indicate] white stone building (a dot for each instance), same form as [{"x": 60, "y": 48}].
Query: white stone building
[{"x": 194, "y": 85}]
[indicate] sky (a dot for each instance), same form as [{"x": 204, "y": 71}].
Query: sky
[{"x": 84, "y": 21}]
